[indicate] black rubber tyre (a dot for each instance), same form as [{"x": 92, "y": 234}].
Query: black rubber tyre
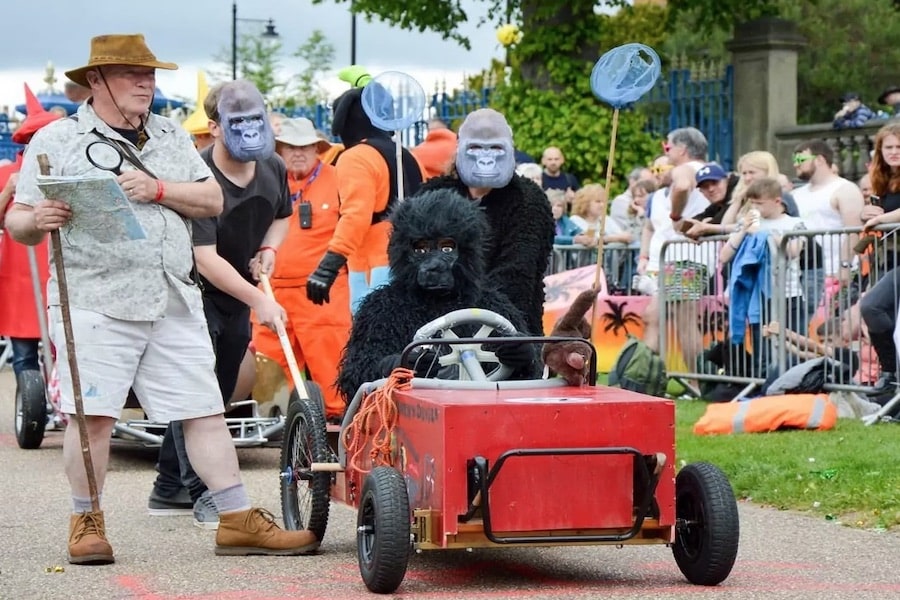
[
  {"x": 31, "y": 409},
  {"x": 707, "y": 525},
  {"x": 305, "y": 496},
  {"x": 382, "y": 530}
]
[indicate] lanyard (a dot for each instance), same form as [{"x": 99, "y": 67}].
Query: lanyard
[{"x": 299, "y": 194}]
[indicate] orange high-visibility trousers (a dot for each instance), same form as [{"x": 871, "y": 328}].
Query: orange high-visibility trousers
[{"x": 318, "y": 335}]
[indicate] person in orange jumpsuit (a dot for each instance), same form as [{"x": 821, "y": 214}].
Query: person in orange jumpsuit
[
  {"x": 437, "y": 151},
  {"x": 318, "y": 334},
  {"x": 18, "y": 307},
  {"x": 367, "y": 182}
]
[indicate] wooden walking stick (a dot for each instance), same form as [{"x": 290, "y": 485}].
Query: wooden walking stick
[
  {"x": 56, "y": 246},
  {"x": 294, "y": 368}
]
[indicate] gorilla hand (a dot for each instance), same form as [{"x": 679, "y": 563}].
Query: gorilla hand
[
  {"x": 516, "y": 356},
  {"x": 421, "y": 359},
  {"x": 319, "y": 283}
]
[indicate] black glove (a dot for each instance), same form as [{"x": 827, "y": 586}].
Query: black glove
[
  {"x": 319, "y": 283},
  {"x": 422, "y": 360},
  {"x": 516, "y": 356}
]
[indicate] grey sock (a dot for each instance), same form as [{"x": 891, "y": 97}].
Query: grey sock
[
  {"x": 83, "y": 505},
  {"x": 231, "y": 499}
]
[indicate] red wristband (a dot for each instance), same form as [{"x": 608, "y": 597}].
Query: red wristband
[
  {"x": 160, "y": 190},
  {"x": 273, "y": 249},
  {"x": 674, "y": 217}
]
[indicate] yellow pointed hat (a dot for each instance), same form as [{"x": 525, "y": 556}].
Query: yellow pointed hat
[{"x": 198, "y": 123}]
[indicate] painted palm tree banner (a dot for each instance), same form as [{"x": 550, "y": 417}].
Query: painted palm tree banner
[{"x": 618, "y": 316}]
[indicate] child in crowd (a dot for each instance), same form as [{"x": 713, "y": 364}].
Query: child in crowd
[
  {"x": 566, "y": 229},
  {"x": 767, "y": 214}
]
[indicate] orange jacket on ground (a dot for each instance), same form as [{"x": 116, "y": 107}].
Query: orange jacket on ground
[
  {"x": 437, "y": 152},
  {"x": 363, "y": 183},
  {"x": 769, "y": 413},
  {"x": 318, "y": 334},
  {"x": 18, "y": 308}
]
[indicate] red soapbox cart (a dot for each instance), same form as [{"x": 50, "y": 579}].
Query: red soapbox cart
[{"x": 487, "y": 462}]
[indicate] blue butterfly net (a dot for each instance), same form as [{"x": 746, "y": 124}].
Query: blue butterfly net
[
  {"x": 624, "y": 74},
  {"x": 393, "y": 101}
]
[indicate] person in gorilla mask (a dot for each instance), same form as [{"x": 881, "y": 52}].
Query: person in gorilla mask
[
  {"x": 231, "y": 250},
  {"x": 521, "y": 228}
]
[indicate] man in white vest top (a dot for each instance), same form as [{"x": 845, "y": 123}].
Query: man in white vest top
[{"x": 826, "y": 202}]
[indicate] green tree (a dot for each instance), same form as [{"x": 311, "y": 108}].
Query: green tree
[
  {"x": 850, "y": 44},
  {"x": 259, "y": 61}
]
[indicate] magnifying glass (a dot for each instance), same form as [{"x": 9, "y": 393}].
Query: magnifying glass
[{"x": 104, "y": 155}]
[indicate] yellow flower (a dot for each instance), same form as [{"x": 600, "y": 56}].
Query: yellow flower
[{"x": 509, "y": 34}]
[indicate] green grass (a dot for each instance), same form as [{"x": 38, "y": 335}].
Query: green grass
[{"x": 849, "y": 474}]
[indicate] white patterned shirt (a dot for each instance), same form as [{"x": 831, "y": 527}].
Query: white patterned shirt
[{"x": 123, "y": 280}]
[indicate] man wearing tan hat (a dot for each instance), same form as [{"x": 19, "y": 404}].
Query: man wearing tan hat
[
  {"x": 318, "y": 333},
  {"x": 136, "y": 314}
]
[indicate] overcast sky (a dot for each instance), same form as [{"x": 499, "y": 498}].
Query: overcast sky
[{"x": 192, "y": 32}]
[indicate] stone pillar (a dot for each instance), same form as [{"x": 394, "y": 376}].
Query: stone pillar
[{"x": 764, "y": 55}]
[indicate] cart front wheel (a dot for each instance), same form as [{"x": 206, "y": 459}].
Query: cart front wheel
[
  {"x": 31, "y": 409},
  {"x": 707, "y": 529},
  {"x": 305, "y": 494},
  {"x": 382, "y": 530}
]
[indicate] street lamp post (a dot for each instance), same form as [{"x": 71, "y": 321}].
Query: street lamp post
[{"x": 268, "y": 33}]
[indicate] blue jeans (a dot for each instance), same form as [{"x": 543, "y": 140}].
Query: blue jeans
[{"x": 24, "y": 354}]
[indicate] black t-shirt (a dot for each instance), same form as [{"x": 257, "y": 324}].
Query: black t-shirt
[
  {"x": 247, "y": 214},
  {"x": 890, "y": 201},
  {"x": 563, "y": 181}
]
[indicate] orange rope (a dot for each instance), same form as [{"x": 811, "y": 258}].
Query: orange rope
[{"x": 374, "y": 423}]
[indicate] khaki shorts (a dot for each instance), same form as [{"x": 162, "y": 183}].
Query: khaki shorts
[{"x": 169, "y": 363}]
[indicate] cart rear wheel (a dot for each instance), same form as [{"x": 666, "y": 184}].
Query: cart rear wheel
[
  {"x": 382, "y": 530},
  {"x": 305, "y": 495},
  {"x": 707, "y": 525},
  {"x": 31, "y": 409}
]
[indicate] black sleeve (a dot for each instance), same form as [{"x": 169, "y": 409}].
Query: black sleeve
[{"x": 205, "y": 231}]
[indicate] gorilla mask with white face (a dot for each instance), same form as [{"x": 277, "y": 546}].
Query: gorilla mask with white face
[
  {"x": 485, "y": 157},
  {"x": 245, "y": 125}
]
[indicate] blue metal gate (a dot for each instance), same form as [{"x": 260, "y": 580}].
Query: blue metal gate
[{"x": 700, "y": 97}]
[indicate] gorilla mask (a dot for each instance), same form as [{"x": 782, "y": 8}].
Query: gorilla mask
[
  {"x": 485, "y": 156},
  {"x": 245, "y": 125},
  {"x": 436, "y": 259},
  {"x": 436, "y": 245}
]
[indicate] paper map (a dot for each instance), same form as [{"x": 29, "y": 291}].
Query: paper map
[{"x": 100, "y": 208}]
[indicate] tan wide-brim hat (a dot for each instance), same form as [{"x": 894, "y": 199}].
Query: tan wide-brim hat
[
  {"x": 301, "y": 132},
  {"x": 118, "y": 49}
]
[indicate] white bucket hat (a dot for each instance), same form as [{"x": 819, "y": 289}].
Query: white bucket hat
[{"x": 301, "y": 132}]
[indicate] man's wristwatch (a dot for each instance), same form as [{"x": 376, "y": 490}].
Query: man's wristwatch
[{"x": 846, "y": 264}]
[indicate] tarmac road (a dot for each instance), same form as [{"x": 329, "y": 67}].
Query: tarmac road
[{"x": 782, "y": 555}]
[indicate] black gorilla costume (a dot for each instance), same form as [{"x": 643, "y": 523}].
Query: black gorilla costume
[
  {"x": 437, "y": 266},
  {"x": 518, "y": 243}
]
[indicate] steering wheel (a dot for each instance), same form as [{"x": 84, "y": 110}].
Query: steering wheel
[{"x": 470, "y": 356}]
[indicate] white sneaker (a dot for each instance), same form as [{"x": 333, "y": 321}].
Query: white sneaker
[{"x": 206, "y": 515}]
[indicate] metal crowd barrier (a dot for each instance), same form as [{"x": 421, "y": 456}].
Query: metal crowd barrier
[
  {"x": 818, "y": 317},
  {"x": 619, "y": 263}
]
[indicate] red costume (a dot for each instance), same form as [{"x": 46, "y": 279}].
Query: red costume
[{"x": 18, "y": 309}]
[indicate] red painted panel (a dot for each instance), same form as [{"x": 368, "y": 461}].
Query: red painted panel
[{"x": 446, "y": 428}]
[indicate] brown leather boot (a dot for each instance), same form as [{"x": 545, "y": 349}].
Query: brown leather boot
[
  {"x": 254, "y": 531},
  {"x": 87, "y": 540}
]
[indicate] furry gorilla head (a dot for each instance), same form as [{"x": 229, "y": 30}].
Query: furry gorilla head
[{"x": 436, "y": 245}]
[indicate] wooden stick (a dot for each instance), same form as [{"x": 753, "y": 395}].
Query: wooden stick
[
  {"x": 286, "y": 344},
  {"x": 602, "y": 225},
  {"x": 56, "y": 245}
]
